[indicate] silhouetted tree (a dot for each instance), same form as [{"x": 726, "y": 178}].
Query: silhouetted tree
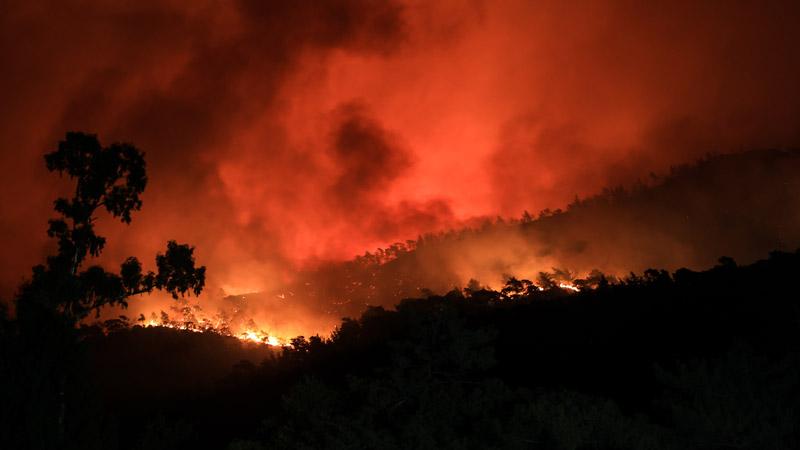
[
  {"x": 516, "y": 288},
  {"x": 46, "y": 376},
  {"x": 111, "y": 178}
]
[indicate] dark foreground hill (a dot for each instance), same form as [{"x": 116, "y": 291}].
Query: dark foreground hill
[
  {"x": 685, "y": 360},
  {"x": 688, "y": 360}
]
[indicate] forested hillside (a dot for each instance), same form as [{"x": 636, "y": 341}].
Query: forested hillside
[
  {"x": 740, "y": 205},
  {"x": 657, "y": 360}
]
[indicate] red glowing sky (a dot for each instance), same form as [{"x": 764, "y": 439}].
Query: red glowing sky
[{"x": 282, "y": 133}]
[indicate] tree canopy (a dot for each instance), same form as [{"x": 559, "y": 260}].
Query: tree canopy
[{"x": 111, "y": 178}]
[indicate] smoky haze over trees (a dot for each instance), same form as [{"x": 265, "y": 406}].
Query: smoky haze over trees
[{"x": 738, "y": 205}]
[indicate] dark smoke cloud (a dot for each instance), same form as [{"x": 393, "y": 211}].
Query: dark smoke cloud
[
  {"x": 369, "y": 159},
  {"x": 366, "y": 156},
  {"x": 283, "y": 134},
  {"x": 180, "y": 80}
]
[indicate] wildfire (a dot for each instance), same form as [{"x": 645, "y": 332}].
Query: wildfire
[
  {"x": 262, "y": 338},
  {"x": 258, "y": 337},
  {"x": 236, "y": 320},
  {"x": 569, "y": 286}
]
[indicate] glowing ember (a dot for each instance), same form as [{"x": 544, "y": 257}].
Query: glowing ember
[{"x": 568, "y": 286}]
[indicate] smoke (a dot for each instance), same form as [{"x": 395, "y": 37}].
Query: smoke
[
  {"x": 736, "y": 205},
  {"x": 280, "y": 135},
  {"x": 196, "y": 86}
]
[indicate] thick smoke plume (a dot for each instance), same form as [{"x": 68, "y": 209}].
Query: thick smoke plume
[{"x": 280, "y": 135}]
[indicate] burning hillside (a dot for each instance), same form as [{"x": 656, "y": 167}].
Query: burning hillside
[
  {"x": 736, "y": 205},
  {"x": 535, "y": 183},
  {"x": 248, "y": 318}
]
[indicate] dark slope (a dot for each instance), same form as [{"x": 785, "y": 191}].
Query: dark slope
[
  {"x": 687, "y": 360},
  {"x": 645, "y": 359}
]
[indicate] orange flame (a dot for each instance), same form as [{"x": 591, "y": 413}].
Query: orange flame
[{"x": 254, "y": 336}]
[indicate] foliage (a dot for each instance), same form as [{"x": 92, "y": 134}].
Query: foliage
[
  {"x": 735, "y": 401},
  {"x": 652, "y": 361},
  {"x": 48, "y": 400},
  {"x": 112, "y": 178}
]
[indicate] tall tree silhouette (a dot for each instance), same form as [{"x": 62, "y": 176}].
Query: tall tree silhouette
[
  {"x": 48, "y": 386},
  {"x": 111, "y": 178}
]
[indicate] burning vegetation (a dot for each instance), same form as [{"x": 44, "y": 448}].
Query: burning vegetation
[
  {"x": 410, "y": 376},
  {"x": 734, "y": 205},
  {"x": 188, "y": 316},
  {"x": 237, "y": 323},
  {"x": 659, "y": 360}
]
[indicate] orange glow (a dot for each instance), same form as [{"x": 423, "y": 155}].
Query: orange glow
[{"x": 258, "y": 337}]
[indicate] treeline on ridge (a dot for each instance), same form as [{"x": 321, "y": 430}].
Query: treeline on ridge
[{"x": 730, "y": 204}]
